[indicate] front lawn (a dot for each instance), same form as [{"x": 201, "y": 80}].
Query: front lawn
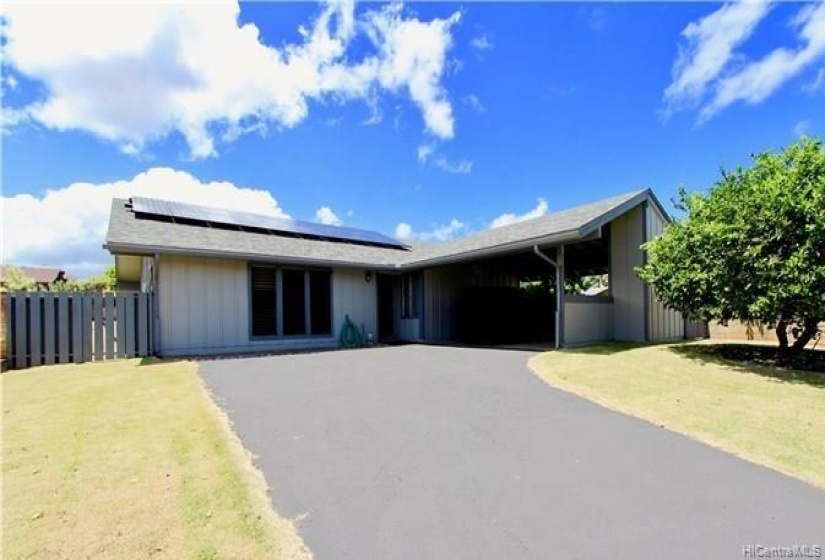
[
  {"x": 123, "y": 460},
  {"x": 763, "y": 414}
]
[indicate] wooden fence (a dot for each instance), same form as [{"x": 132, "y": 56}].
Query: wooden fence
[{"x": 44, "y": 328}]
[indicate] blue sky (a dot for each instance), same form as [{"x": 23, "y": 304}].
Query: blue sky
[{"x": 427, "y": 121}]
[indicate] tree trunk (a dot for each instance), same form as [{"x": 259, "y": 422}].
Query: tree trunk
[
  {"x": 782, "y": 336},
  {"x": 811, "y": 327}
]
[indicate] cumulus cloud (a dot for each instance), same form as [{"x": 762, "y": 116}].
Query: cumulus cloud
[
  {"x": 709, "y": 46},
  {"x": 132, "y": 73},
  {"x": 325, "y": 215},
  {"x": 757, "y": 80},
  {"x": 67, "y": 226},
  {"x": 512, "y": 218},
  {"x": 711, "y": 74},
  {"x": 446, "y": 232}
]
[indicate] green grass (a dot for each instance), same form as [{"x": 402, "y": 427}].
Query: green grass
[
  {"x": 122, "y": 460},
  {"x": 767, "y": 416}
]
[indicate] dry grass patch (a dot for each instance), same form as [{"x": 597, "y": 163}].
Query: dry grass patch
[
  {"x": 767, "y": 416},
  {"x": 122, "y": 460}
]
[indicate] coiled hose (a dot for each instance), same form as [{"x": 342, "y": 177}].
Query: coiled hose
[{"x": 350, "y": 335}]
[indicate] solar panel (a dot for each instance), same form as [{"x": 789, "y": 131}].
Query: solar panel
[{"x": 206, "y": 214}]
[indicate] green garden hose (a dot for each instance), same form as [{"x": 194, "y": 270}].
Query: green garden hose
[{"x": 350, "y": 336}]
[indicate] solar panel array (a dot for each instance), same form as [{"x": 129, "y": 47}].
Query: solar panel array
[{"x": 209, "y": 215}]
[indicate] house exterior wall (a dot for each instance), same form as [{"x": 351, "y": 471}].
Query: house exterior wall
[
  {"x": 203, "y": 307},
  {"x": 352, "y": 295},
  {"x": 627, "y": 289},
  {"x": 587, "y": 320},
  {"x": 663, "y": 323}
]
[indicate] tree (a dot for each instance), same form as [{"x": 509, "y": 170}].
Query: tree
[
  {"x": 104, "y": 282},
  {"x": 752, "y": 249},
  {"x": 15, "y": 281}
]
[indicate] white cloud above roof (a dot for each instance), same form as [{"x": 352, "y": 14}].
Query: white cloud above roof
[
  {"x": 132, "y": 73},
  {"x": 325, "y": 215},
  {"x": 66, "y": 227},
  {"x": 512, "y": 218},
  {"x": 404, "y": 231}
]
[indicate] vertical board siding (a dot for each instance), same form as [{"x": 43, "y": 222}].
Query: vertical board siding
[
  {"x": 63, "y": 328},
  {"x": 46, "y": 328},
  {"x": 19, "y": 332},
  {"x": 35, "y": 338},
  {"x": 109, "y": 325},
  {"x": 49, "y": 330},
  {"x": 77, "y": 329},
  {"x": 628, "y": 291},
  {"x": 97, "y": 325},
  {"x": 352, "y": 295},
  {"x": 664, "y": 323}
]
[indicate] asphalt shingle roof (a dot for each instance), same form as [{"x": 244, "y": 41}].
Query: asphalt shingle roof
[{"x": 130, "y": 234}]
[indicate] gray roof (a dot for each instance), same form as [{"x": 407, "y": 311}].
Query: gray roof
[{"x": 131, "y": 235}]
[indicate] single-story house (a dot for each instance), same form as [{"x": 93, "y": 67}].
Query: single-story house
[
  {"x": 234, "y": 282},
  {"x": 42, "y": 276}
]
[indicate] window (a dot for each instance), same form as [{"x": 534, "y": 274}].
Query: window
[
  {"x": 290, "y": 302},
  {"x": 264, "y": 301},
  {"x": 294, "y": 302},
  {"x": 409, "y": 296},
  {"x": 320, "y": 298}
]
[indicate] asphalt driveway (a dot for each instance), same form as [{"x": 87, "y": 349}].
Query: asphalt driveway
[{"x": 437, "y": 452}]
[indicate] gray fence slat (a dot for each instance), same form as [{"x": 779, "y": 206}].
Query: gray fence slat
[
  {"x": 20, "y": 331},
  {"x": 129, "y": 317},
  {"x": 120, "y": 308},
  {"x": 77, "y": 328},
  {"x": 35, "y": 340},
  {"x": 87, "y": 326},
  {"x": 97, "y": 319},
  {"x": 9, "y": 299},
  {"x": 63, "y": 327},
  {"x": 143, "y": 329},
  {"x": 49, "y": 329},
  {"x": 109, "y": 322}
]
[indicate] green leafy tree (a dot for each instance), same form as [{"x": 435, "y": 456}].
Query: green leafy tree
[
  {"x": 752, "y": 249},
  {"x": 104, "y": 282},
  {"x": 15, "y": 281}
]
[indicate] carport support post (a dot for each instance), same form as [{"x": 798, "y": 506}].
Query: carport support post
[{"x": 560, "y": 296}]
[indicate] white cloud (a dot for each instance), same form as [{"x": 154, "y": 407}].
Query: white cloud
[
  {"x": 66, "y": 227},
  {"x": 817, "y": 84},
  {"x": 709, "y": 46},
  {"x": 325, "y": 215},
  {"x": 481, "y": 43},
  {"x": 446, "y": 232},
  {"x": 512, "y": 218},
  {"x": 403, "y": 231},
  {"x": 802, "y": 128},
  {"x": 461, "y": 167},
  {"x": 474, "y": 103},
  {"x": 132, "y": 73},
  {"x": 424, "y": 152},
  {"x": 756, "y": 81}
]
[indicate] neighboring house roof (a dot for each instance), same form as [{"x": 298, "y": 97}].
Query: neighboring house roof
[
  {"x": 40, "y": 274},
  {"x": 129, "y": 234}
]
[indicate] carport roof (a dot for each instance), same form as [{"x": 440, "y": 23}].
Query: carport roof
[{"x": 130, "y": 234}]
